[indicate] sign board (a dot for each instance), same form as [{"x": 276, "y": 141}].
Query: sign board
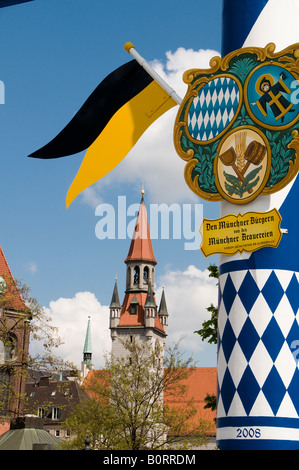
[
  {"x": 237, "y": 128},
  {"x": 237, "y": 233}
]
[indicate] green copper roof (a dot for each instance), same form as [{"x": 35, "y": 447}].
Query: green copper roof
[
  {"x": 87, "y": 345},
  {"x": 26, "y": 439}
]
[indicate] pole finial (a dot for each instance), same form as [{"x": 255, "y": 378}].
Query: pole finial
[{"x": 128, "y": 46}]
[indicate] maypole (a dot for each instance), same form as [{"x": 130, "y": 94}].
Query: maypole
[
  {"x": 258, "y": 376},
  {"x": 237, "y": 128}
]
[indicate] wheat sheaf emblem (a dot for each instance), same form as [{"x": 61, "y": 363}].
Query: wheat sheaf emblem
[{"x": 240, "y": 158}]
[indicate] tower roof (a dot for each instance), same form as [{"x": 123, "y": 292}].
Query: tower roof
[
  {"x": 141, "y": 248},
  {"x": 115, "y": 297},
  {"x": 128, "y": 320},
  {"x": 87, "y": 345},
  {"x": 12, "y": 294},
  {"x": 163, "y": 307},
  {"x": 150, "y": 300}
]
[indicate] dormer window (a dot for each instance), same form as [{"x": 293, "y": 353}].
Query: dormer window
[
  {"x": 133, "y": 309},
  {"x": 134, "y": 306}
]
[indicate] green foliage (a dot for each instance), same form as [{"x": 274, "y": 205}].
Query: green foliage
[
  {"x": 211, "y": 402},
  {"x": 281, "y": 156},
  {"x": 209, "y": 331},
  {"x": 241, "y": 187},
  {"x": 127, "y": 410},
  {"x": 204, "y": 167},
  {"x": 242, "y": 67},
  {"x": 209, "y": 328}
]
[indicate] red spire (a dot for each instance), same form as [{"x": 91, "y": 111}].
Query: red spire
[{"x": 141, "y": 245}]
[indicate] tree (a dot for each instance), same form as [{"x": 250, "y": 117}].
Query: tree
[
  {"x": 127, "y": 410},
  {"x": 22, "y": 320},
  {"x": 210, "y": 327},
  {"x": 209, "y": 331}
]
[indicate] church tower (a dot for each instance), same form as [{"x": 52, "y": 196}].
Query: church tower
[
  {"x": 86, "y": 364},
  {"x": 87, "y": 350},
  {"x": 139, "y": 316}
]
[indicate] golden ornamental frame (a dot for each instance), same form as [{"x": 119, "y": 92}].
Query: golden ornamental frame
[{"x": 197, "y": 78}]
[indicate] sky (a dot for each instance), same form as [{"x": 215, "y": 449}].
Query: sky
[{"x": 53, "y": 55}]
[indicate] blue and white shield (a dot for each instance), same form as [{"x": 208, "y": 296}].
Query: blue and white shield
[{"x": 213, "y": 109}]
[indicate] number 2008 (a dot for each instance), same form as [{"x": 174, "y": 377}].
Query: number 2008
[{"x": 250, "y": 433}]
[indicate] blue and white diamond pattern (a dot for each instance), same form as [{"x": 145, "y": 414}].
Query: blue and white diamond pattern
[
  {"x": 213, "y": 109},
  {"x": 258, "y": 326}
]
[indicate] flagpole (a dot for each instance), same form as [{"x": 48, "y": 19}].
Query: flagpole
[{"x": 130, "y": 48}]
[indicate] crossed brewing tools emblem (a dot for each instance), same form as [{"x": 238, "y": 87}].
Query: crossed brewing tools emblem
[{"x": 238, "y": 124}]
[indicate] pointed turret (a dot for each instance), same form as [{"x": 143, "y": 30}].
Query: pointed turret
[
  {"x": 163, "y": 312},
  {"x": 150, "y": 308},
  {"x": 115, "y": 307},
  {"x": 141, "y": 245},
  {"x": 115, "y": 297},
  {"x": 87, "y": 350}
]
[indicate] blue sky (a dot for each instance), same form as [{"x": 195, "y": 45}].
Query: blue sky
[{"x": 53, "y": 54}]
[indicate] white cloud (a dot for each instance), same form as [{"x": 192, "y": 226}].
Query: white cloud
[
  {"x": 153, "y": 161},
  {"x": 188, "y": 294},
  {"x": 70, "y": 316}
]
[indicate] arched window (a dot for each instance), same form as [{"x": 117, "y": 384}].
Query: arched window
[
  {"x": 136, "y": 274},
  {"x": 129, "y": 275},
  {"x": 2, "y": 352},
  {"x": 145, "y": 275},
  {"x": 6, "y": 351},
  {"x": 6, "y": 355}
]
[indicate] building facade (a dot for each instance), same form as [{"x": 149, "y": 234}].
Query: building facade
[
  {"x": 138, "y": 316},
  {"x": 14, "y": 344}
]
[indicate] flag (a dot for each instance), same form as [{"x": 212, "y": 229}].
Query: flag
[
  {"x": 9, "y": 3},
  {"x": 109, "y": 124}
]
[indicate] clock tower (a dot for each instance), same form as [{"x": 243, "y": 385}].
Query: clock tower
[{"x": 139, "y": 316}]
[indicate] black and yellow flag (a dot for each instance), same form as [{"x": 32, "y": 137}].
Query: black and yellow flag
[{"x": 109, "y": 124}]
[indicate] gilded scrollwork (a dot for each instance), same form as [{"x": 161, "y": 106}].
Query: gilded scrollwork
[{"x": 248, "y": 96}]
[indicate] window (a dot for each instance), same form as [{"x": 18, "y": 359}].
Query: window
[
  {"x": 4, "y": 386},
  {"x": 41, "y": 412},
  {"x": 145, "y": 275},
  {"x": 56, "y": 413},
  {"x": 134, "y": 306},
  {"x": 133, "y": 309},
  {"x": 7, "y": 350},
  {"x": 136, "y": 275}
]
